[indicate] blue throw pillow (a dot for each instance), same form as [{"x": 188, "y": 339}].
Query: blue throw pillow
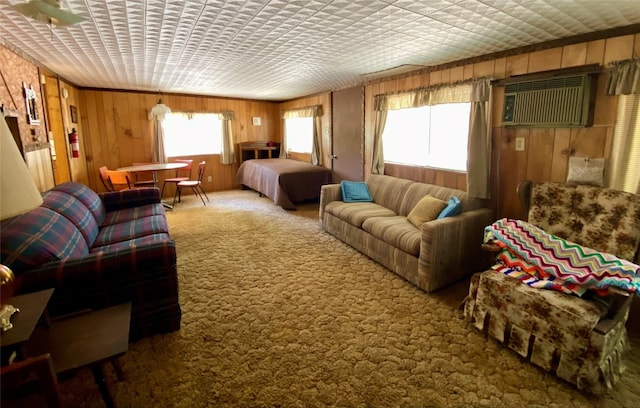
[
  {"x": 355, "y": 191},
  {"x": 452, "y": 208}
]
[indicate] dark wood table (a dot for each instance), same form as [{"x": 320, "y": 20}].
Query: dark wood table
[
  {"x": 31, "y": 308},
  {"x": 86, "y": 339},
  {"x": 15, "y": 362}
]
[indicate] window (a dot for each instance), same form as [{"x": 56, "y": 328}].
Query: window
[
  {"x": 433, "y": 136},
  {"x": 299, "y": 134},
  {"x": 192, "y": 134}
]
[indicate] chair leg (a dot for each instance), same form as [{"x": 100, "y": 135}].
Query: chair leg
[
  {"x": 195, "y": 190},
  {"x": 162, "y": 191},
  {"x": 203, "y": 192},
  {"x": 175, "y": 196}
]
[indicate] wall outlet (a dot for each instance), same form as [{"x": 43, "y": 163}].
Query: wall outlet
[
  {"x": 209, "y": 179},
  {"x": 519, "y": 144}
]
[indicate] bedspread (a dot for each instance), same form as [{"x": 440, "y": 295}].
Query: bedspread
[{"x": 284, "y": 180}]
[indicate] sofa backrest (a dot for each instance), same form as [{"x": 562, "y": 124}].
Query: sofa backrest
[
  {"x": 603, "y": 219},
  {"x": 388, "y": 191},
  {"x": 75, "y": 211},
  {"x": 86, "y": 196},
  {"x": 37, "y": 237},
  {"x": 401, "y": 195},
  {"x": 416, "y": 191}
]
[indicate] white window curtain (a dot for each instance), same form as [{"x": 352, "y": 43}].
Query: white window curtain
[
  {"x": 623, "y": 167},
  {"x": 316, "y": 113},
  {"x": 227, "y": 154},
  {"x": 478, "y": 92},
  {"x": 156, "y": 116}
]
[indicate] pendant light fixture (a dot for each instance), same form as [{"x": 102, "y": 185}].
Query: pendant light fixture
[{"x": 160, "y": 110}]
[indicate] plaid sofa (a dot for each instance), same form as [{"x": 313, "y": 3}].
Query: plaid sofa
[
  {"x": 439, "y": 253},
  {"x": 97, "y": 251}
]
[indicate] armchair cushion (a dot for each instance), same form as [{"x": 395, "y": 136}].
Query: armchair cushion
[{"x": 606, "y": 220}]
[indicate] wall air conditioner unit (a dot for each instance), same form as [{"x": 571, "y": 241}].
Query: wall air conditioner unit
[{"x": 552, "y": 102}]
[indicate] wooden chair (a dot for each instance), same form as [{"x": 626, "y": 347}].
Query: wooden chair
[
  {"x": 195, "y": 185},
  {"x": 146, "y": 182},
  {"x": 38, "y": 370},
  {"x": 104, "y": 177},
  {"x": 182, "y": 174},
  {"x": 119, "y": 180}
]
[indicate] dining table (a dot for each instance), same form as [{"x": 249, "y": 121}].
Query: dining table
[{"x": 154, "y": 168}]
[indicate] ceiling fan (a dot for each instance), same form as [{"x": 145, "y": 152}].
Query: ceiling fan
[{"x": 47, "y": 11}]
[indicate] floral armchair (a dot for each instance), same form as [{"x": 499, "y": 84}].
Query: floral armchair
[{"x": 582, "y": 340}]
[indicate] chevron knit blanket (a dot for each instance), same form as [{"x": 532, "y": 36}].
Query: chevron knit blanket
[{"x": 545, "y": 261}]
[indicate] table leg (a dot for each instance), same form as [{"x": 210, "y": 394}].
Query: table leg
[
  {"x": 115, "y": 362},
  {"x": 101, "y": 381}
]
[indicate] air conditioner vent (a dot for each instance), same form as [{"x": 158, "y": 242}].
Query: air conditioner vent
[{"x": 553, "y": 102}]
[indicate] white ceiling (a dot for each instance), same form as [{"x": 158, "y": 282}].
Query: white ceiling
[{"x": 277, "y": 49}]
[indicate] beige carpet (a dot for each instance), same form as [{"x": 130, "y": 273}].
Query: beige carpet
[{"x": 277, "y": 313}]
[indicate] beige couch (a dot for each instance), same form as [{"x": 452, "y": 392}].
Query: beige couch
[{"x": 439, "y": 253}]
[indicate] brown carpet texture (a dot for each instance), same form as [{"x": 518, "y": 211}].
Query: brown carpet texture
[{"x": 277, "y": 313}]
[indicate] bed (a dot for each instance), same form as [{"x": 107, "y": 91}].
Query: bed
[{"x": 284, "y": 180}]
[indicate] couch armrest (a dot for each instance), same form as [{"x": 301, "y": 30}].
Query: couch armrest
[
  {"x": 451, "y": 248},
  {"x": 329, "y": 193},
  {"x": 118, "y": 200}
]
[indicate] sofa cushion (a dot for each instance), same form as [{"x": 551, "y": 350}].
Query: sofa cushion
[
  {"x": 356, "y": 213},
  {"x": 427, "y": 209},
  {"x": 125, "y": 231},
  {"x": 137, "y": 242},
  {"x": 132, "y": 213},
  {"x": 37, "y": 237},
  {"x": 396, "y": 231},
  {"x": 73, "y": 209},
  {"x": 87, "y": 196},
  {"x": 389, "y": 191},
  {"x": 355, "y": 191},
  {"x": 452, "y": 208},
  {"x": 416, "y": 191}
]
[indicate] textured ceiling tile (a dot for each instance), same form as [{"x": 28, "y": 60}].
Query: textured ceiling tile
[{"x": 279, "y": 49}]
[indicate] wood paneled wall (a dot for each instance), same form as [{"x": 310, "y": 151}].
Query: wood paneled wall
[
  {"x": 117, "y": 131},
  {"x": 78, "y": 166},
  {"x": 545, "y": 157},
  {"x": 57, "y": 132},
  {"x": 324, "y": 100}
]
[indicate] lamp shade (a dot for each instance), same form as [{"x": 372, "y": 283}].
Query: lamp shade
[
  {"x": 159, "y": 111},
  {"x": 18, "y": 191}
]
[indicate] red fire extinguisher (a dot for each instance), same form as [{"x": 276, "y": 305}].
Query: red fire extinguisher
[{"x": 75, "y": 144}]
